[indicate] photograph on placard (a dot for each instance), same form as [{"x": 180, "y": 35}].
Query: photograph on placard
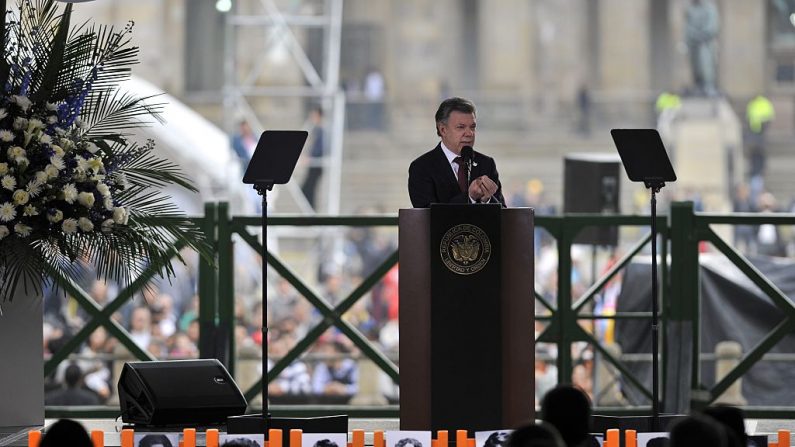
[
  {"x": 156, "y": 439},
  {"x": 253, "y": 440},
  {"x": 324, "y": 440},
  {"x": 652, "y": 439},
  {"x": 408, "y": 439},
  {"x": 493, "y": 438}
]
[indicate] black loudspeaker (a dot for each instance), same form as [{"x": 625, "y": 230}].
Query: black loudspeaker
[
  {"x": 178, "y": 392},
  {"x": 592, "y": 186}
]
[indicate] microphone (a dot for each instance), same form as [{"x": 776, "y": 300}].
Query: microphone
[{"x": 466, "y": 154}]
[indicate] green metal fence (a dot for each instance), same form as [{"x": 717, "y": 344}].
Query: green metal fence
[{"x": 682, "y": 232}]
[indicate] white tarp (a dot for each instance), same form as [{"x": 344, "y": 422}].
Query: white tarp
[{"x": 202, "y": 150}]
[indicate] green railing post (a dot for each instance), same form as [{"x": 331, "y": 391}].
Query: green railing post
[
  {"x": 207, "y": 282},
  {"x": 682, "y": 347},
  {"x": 566, "y": 315},
  {"x": 224, "y": 336}
]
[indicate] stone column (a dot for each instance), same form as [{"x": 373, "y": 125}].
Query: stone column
[
  {"x": 506, "y": 46},
  {"x": 742, "y": 55},
  {"x": 624, "y": 46}
]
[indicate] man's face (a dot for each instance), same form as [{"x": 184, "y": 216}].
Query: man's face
[{"x": 459, "y": 131}]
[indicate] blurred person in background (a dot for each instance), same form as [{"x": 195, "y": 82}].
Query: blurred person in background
[
  {"x": 141, "y": 326},
  {"x": 295, "y": 379},
  {"x": 335, "y": 375},
  {"x": 316, "y": 155},
  {"x": 769, "y": 241},
  {"x": 73, "y": 393},
  {"x": 244, "y": 142}
]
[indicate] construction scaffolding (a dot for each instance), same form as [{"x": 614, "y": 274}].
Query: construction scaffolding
[{"x": 287, "y": 29}]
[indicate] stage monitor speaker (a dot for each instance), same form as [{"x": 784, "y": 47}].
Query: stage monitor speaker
[
  {"x": 591, "y": 185},
  {"x": 178, "y": 392}
]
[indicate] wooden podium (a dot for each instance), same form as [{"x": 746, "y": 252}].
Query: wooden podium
[{"x": 466, "y": 317}]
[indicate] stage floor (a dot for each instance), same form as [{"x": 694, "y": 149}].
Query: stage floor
[{"x": 18, "y": 436}]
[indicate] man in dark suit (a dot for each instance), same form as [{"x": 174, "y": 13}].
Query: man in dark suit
[{"x": 440, "y": 175}]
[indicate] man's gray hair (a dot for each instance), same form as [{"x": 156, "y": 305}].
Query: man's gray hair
[{"x": 451, "y": 105}]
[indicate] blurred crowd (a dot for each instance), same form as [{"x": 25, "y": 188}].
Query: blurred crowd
[{"x": 163, "y": 320}]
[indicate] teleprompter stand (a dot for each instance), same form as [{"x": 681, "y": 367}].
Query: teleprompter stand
[
  {"x": 645, "y": 160},
  {"x": 273, "y": 163}
]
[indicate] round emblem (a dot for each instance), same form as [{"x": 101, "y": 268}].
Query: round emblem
[{"x": 465, "y": 249}]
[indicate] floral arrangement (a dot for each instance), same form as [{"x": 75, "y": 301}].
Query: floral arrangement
[{"x": 72, "y": 184}]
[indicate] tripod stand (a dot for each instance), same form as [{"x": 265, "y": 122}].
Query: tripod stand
[
  {"x": 273, "y": 163},
  {"x": 645, "y": 160}
]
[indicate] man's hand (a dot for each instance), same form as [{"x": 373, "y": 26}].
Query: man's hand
[{"x": 482, "y": 189}]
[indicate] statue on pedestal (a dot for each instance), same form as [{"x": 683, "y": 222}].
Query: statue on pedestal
[{"x": 701, "y": 31}]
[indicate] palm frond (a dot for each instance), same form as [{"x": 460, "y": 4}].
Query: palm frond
[
  {"x": 43, "y": 87},
  {"x": 4, "y": 67},
  {"x": 108, "y": 115},
  {"x": 144, "y": 168}
]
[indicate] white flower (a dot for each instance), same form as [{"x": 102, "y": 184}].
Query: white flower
[
  {"x": 82, "y": 164},
  {"x": 8, "y": 182},
  {"x": 6, "y": 136},
  {"x": 52, "y": 120},
  {"x": 34, "y": 124},
  {"x": 55, "y": 215},
  {"x": 15, "y": 153},
  {"x": 30, "y": 210},
  {"x": 57, "y": 162},
  {"x": 69, "y": 225},
  {"x": 3, "y": 113},
  {"x": 33, "y": 188},
  {"x": 121, "y": 180},
  {"x": 7, "y": 212},
  {"x": 4, "y": 231},
  {"x": 70, "y": 193},
  {"x": 85, "y": 224},
  {"x": 107, "y": 225},
  {"x": 59, "y": 152},
  {"x": 91, "y": 147},
  {"x": 28, "y": 137},
  {"x": 108, "y": 202},
  {"x": 103, "y": 189},
  {"x": 96, "y": 164},
  {"x": 86, "y": 199},
  {"x": 41, "y": 177},
  {"x": 22, "y": 101},
  {"x": 120, "y": 215},
  {"x": 51, "y": 171},
  {"x": 45, "y": 139},
  {"x": 21, "y": 197},
  {"x": 51, "y": 106},
  {"x": 22, "y": 230},
  {"x": 3, "y": 168},
  {"x": 20, "y": 123}
]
